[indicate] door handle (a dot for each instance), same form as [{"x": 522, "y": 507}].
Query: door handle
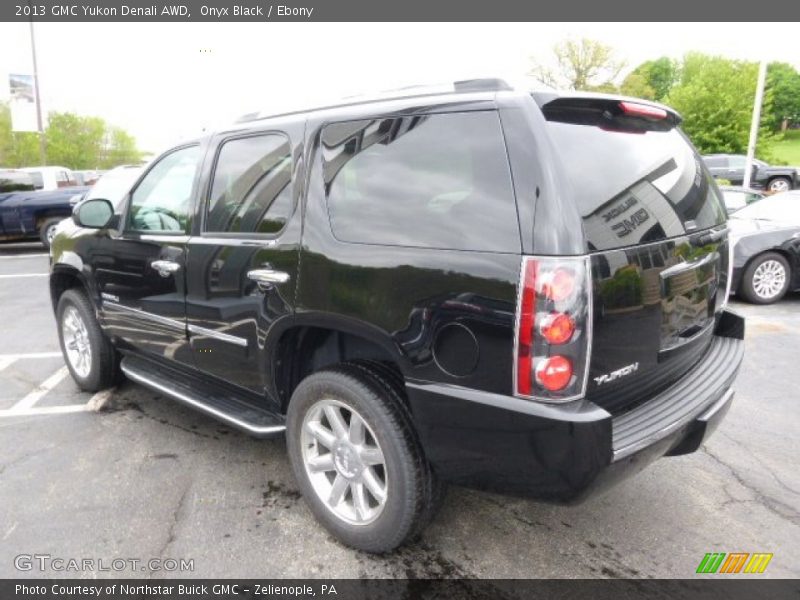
[
  {"x": 266, "y": 278},
  {"x": 165, "y": 268}
]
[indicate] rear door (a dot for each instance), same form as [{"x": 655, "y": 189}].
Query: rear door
[
  {"x": 654, "y": 224},
  {"x": 242, "y": 267}
]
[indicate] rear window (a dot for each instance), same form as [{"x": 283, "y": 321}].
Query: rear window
[
  {"x": 634, "y": 184},
  {"x": 429, "y": 181}
]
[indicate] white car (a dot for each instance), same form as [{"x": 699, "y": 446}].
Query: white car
[{"x": 51, "y": 178}]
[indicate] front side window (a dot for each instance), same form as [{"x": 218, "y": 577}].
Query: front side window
[
  {"x": 251, "y": 191},
  {"x": 428, "y": 181},
  {"x": 162, "y": 201}
]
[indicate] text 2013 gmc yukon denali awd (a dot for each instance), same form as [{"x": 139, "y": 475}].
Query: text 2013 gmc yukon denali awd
[{"x": 510, "y": 290}]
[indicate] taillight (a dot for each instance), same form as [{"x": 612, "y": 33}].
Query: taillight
[
  {"x": 635, "y": 109},
  {"x": 553, "y": 337}
]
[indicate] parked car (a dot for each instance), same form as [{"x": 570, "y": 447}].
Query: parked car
[
  {"x": 738, "y": 197},
  {"x": 764, "y": 176},
  {"x": 51, "y": 178},
  {"x": 766, "y": 257},
  {"x": 27, "y": 214},
  {"x": 516, "y": 291},
  {"x": 86, "y": 177},
  {"x": 113, "y": 185}
]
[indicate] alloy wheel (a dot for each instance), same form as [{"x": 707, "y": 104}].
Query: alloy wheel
[
  {"x": 344, "y": 462},
  {"x": 76, "y": 342},
  {"x": 769, "y": 279}
]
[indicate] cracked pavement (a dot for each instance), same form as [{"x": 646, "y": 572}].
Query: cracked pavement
[{"x": 147, "y": 478}]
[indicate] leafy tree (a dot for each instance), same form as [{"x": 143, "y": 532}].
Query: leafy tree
[
  {"x": 636, "y": 85},
  {"x": 652, "y": 79},
  {"x": 584, "y": 64},
  {"x": 783, "y": 81},
  {"x": 74, "y": 141},
  {"x": 715, "y": 96},
  {"x": 17, "y": 149}
]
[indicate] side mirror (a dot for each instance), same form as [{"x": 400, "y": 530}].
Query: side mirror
[{"x": 94, "y": 214}]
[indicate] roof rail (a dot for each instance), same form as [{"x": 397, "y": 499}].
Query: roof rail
[{"x": 467, "y": 85}]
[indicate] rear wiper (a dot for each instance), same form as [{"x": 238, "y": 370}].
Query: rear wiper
[{"x": 709, "y": 237}]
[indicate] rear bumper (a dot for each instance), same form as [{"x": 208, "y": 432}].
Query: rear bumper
[{"x": 564, "y": 452}]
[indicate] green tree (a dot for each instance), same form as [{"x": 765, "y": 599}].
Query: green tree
[
  {"x": 715, "y": 97},
  {"x": 74, "y": 141},
  {"x": 652, "y": 79},
  {"x": 783, "y": 81},
  {"x": 584, "y": 64},
  {"x": 17, "y": 149},
  {"x": 119, "y": 149}
]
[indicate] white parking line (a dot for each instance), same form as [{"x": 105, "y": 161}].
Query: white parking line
[
  {"x": 10, "y": 256},
  {"x": 14, "y": 357},
  {"x": 6, "y": 361},
  {"x": 37, "y": 394},
  {"x": 13, "y": 275}
]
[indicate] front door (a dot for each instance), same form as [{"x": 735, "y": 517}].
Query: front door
[
  {"x": 141, "y": 272},
  {"x": 242, "y": 267}
]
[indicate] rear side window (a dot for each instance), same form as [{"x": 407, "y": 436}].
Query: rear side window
[
  {"x": 432, "y": 181},
  {"x": 633, "y": 182},
  {"x": 251, "y": 192}
]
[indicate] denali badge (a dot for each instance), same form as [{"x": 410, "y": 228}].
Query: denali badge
[{"x": 616, "y": 374}]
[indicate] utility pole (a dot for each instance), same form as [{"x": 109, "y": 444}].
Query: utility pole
[
  {"x": 751, "y": 146},
  {"x": 42, "y": 148}
]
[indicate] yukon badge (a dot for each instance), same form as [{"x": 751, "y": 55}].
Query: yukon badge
[{"x": 608, "y": 377}]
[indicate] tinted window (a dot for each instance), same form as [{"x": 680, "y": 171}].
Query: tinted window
[
  {"x": 163, "y": 199},
  {"x": 635, "y": 186},
  {"x": 251, "y": 191},
  {"x": 434, "y": 181}
]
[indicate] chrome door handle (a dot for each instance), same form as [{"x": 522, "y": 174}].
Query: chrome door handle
[
  {"x": 266, "y": 278},
  {"x": 165, "y": 268}
]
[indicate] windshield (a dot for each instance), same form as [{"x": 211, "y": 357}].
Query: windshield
[
  {"x": 781, "y": 208},
  {"x": 115, "y": 184}
]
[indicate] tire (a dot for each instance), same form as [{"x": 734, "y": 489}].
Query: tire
[
  {"x": 401, "y": 475},
  {"x": 766, "y": 279},
  {"x": 47, "y": 230},
  {"x": 98, "y": 367},
  {"x": 779, "y": 184}
]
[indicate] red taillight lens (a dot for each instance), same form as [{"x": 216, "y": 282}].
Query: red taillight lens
[
  {"x": 634, "y": 109},
  {"x": 559, "y": 285},
  {"x": 553, "y": 337},
  {"x": 554, "y": 373},
  {"x": 558, "y": 328},
  {"x": 525, "y": 329}
]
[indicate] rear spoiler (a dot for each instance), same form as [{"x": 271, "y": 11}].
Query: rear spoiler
[{"x": 616, "y": 113}]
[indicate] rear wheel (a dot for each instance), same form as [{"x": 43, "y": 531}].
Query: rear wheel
[
  {"x": 357, "y": 460},
  {"x": 779, "y": 184},
  {"x": 89, "y": 355},
  {"x": 766, "y": 279},
  {"x": 47, "y": 231}
]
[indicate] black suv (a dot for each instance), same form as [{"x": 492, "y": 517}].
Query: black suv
[{"x": 515, "y": 291}]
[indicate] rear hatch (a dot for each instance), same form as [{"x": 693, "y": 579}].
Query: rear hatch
[{"x": 654, "y": 225}]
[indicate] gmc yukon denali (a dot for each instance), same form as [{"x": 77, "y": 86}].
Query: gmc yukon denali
[{"x": 511, "y": 290}]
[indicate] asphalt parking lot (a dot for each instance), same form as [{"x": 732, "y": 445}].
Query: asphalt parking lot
[{"x": 128, "y": 474}]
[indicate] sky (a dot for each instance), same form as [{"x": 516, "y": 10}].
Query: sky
[{"x": 166, "y": 82}]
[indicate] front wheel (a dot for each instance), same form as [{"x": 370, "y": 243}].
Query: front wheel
[
  {"x": 766, "y": 279},
  {"x": 780, "y": 184},
  {"x": 90, "y": 357},
  {"x": 357, "y": 460}
]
